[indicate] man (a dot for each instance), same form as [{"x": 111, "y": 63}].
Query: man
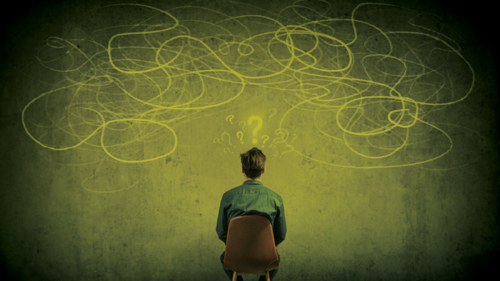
[{"x": 252, "y": 198}]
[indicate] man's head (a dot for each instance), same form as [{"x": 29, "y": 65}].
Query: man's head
[{"x": 253, "y": 162}]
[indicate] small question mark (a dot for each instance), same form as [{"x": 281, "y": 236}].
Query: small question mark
[
  {"x": 244, "y": 124},
  {"x": 230, "y": 117},
  {"x": 227, "y": 150},
  {"x": 265, "y": 137},
  {"x": 294, "y": 137},
  {"x": 257, "y": 128},
  {"x": 271, "y": 114},
  {"x": 239, "y": 134},
  {"x": 217, "y": 140},
  {"x": 228, "y": 138}
]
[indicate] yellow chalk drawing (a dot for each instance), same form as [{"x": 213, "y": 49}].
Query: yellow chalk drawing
[
  {"x": 257, "y": 128},
  {"x": 283, "y": 133},
  {"x": 239, "y": 134},
  {"x": 228, "y": 137},
  {"x": 242, "y": 126},
  {"x": 272, "y": 114},
  {"x": 361, "y": 95},
  {"x": 265, "y": 138},
  {"x": 291, "y": 149}
]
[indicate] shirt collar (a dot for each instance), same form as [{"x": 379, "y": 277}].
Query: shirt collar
[{"x": 253, "y": 182}]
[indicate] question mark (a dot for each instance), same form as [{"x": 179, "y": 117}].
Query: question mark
[
  {"x": 228, "y": 138},
  {"x": 265, "y": 137},
  {"x": 271, "y": 114},
  {"x": 244, "y": 124},
  {"x": 241, "y": 137},
  {"x": 217, "y": 140},
  {"x": 257, "y": 128},
  {"x": 227, "y": 150},
  {"x": 282, "y": 134},
  {"x": 230, "y": 117}
]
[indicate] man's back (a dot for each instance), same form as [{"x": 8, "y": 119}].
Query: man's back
[{"x": 252, "y": 198}]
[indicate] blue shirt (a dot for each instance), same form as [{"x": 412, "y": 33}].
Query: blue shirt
[{"x": 252, "y": 198}]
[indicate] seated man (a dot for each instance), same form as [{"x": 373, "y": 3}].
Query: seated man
[{"x": 252, "y": 198}]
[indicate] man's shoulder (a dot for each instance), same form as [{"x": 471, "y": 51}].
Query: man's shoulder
[
  {"x": 259, "y": 188},
  {"x": 273, "y": 193},
  {"x": 233, "y": 190}
]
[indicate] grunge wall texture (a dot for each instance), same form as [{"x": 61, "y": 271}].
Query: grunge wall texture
[{"x": 381, "y": 125}]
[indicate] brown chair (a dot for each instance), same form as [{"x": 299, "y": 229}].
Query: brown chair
[{"x": 250, "y": 247}]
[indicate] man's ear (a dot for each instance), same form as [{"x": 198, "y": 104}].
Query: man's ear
[{"x": 263, "y": 169}]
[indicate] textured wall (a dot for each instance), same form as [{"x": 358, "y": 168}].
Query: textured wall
[{"x": 120, "y": 133}]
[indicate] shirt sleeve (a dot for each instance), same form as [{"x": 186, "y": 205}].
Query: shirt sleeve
[
  {"x": 222, "y": 223},
  {"x": 279, "y": 230}
]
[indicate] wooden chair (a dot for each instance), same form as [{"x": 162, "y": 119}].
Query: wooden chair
[{"x": 250, "y": 247}]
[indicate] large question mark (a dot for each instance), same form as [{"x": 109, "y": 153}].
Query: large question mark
[
  {"x": 257, "y": 128},
  {"x": 240, "y": 137}
]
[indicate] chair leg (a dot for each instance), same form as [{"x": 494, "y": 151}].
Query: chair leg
[
  {"x": 234, "y": 275},
  {"x": 267, "y": 276}
]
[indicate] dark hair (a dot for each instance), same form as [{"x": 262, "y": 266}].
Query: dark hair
[{"x": 253, "y": 161}]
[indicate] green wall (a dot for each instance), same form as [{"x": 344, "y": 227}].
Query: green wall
[{"x": 89, "y": 192}]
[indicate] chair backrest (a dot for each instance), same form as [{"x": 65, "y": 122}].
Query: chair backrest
[{"x": 250, "y": 247}]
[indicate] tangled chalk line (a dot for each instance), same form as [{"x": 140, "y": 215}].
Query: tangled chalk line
[{"x": 371, "y": 88}]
